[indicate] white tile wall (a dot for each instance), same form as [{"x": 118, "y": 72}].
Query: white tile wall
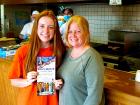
[{"x": 104, "y": 17}]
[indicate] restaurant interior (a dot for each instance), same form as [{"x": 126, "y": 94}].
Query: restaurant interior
[{"x": 114, "y": 33}]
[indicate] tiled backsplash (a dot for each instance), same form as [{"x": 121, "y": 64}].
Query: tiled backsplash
[{"x": 104, "y": 17}]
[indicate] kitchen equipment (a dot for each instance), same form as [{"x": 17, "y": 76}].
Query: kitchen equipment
[
  {"x": 122, "y": 51},
  {"x": 126, "y": 44},
  {"x": 126, "y": 41}
]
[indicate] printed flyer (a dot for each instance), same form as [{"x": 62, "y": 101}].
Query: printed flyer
[{"x": 46, "y": 75}]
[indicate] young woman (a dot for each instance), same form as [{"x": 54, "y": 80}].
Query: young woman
[
  {"x": 45, "y": 41},
  {"x": 82, "y": 69}
]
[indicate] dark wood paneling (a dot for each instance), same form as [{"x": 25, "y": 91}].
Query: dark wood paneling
[{"x": 27, "y": 1}]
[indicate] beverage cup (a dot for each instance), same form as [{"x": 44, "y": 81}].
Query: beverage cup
[{"x": 137, "y": 77}]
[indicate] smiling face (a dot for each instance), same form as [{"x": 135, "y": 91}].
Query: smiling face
[
  {"x": 75, "y": 35},
  {"x": 45, "y": 29}
]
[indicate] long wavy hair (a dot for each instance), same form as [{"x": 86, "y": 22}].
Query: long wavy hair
[{"x": 35, "y": 43}]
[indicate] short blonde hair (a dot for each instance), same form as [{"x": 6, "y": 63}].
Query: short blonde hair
[{"x": 83, "y": 25}]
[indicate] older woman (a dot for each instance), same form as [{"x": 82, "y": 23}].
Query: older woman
[{"x": 82, "y": 69}]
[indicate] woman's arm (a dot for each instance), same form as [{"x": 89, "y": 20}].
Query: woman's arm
[
  {"x": 94, "y": 75},
  {"x": 20, "y": 82}
]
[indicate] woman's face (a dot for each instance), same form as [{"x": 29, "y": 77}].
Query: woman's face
[
  {"x": 75, "y": 35},
  {"x": 45, "y": 29}
]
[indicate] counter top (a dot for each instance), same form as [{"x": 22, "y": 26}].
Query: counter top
[
  {"x": 8, "y": 93},
  {"x": 6, "y": 39},
  {"x": 122, "y": 81},
  {"x": 7, "y": 59},
  {"x": 120, "y": 87}
]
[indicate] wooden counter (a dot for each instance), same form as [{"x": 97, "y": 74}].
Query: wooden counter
[
  {"x": 8, "y": 93},
  {"x": 119, "y": 87},
  {"x": 7, "y": 41}
]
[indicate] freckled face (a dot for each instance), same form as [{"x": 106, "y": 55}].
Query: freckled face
[
  {"x": 75, "y": 35},
  {"x": 45, "y": 29}
]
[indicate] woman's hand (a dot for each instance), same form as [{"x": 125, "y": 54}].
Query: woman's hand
[
  {"x": 31, "y": 76},
  {"x": 20, "y": 82},
  {"x": 58, "y": 84}
]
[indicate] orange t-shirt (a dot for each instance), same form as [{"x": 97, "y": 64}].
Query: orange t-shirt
[{"x": 28, "y": 95}]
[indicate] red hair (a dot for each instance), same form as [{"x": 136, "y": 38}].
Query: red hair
[{"x": 35, "y": 42}]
